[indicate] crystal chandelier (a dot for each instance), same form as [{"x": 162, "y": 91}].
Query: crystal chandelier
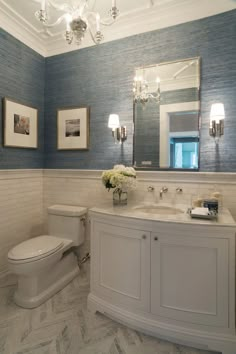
[
  {"x": 78, "y": 18},
  {"x": 141, "y": 90}
]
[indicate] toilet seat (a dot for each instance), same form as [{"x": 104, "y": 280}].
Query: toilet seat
[{"x": 35, "y": 248}]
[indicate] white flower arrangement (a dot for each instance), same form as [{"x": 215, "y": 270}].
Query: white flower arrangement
[{"x": 120, "y": 177}]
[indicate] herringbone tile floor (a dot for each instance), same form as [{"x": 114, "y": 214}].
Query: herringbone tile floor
[{"x": 63, "y": 325}]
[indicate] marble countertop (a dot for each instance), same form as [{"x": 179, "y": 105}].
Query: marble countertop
[{"x": 132, "y": 211}]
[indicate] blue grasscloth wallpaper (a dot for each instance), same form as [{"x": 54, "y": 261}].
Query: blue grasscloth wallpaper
[
  {"x": 22, "y": 79},
  {"x": 101, "y": 77}
]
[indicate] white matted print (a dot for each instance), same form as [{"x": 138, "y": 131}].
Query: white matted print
[
  {"x": 73, "y": 128},
  {"x": 20, "y": 125}
]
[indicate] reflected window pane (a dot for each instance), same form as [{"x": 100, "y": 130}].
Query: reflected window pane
[{"x": 184, "y": 152}]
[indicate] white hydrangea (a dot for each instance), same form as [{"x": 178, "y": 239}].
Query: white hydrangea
[{"x": 120, "y": 177}]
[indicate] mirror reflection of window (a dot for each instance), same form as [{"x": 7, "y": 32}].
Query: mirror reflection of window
[
  {"x": 184, "y": 139},
  {"x": 166, "y": 108}
]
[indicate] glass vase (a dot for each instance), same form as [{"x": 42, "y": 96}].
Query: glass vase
[{"x": 120, "y": 197}]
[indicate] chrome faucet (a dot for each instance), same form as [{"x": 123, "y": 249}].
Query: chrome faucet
[{"x": 163, "y": 190}]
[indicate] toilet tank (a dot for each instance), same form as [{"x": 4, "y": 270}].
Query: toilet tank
[{"x": 67, "y": 221}]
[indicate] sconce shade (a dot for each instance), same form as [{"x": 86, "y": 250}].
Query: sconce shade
[
  {"x": 113, "y": 121},
  {"x": 217, "y": 112}
]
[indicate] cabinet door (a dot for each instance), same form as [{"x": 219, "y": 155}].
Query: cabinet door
[
  {"x": 121, "y": 265},
  {"x": 189, "y": 278}
]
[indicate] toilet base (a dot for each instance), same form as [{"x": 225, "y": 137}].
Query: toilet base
[{"x": 34, "y": 290}]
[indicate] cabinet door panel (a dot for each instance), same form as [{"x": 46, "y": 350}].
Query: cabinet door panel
[
  {"x": 122, "y": 264},
  {"x": 189, "y": 279},
  {"x": 120, "y": 267}
]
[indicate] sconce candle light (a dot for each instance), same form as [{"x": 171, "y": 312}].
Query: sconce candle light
[
  {"x": 119, "y": 133},
  {"x": 217, "y": 117}
]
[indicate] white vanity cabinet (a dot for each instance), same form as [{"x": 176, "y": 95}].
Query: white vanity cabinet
[{"x": 173, "y": 280}]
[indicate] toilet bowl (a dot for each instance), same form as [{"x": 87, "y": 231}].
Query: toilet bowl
[{"x": 46, "y": 263}]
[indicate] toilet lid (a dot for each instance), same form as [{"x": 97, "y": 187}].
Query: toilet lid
[{"x": 35, "y": 248}]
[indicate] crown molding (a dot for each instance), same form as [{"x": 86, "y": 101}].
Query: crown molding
[
  {"x": 164, "y": 13},
  {"x": 22, "y": 30}
]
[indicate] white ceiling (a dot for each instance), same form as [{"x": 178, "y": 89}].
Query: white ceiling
[{"x": 136, "y": 16}]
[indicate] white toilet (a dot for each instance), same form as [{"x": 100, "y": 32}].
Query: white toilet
[{"x": 45, "y": 264}]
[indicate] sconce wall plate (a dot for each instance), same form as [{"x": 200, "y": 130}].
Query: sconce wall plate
[
  {"x": 217, "y": 116},
  {"x": 217, "y": 128},
  {"x": 119, "y": 133}
]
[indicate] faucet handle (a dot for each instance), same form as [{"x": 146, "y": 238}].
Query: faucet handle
[
  {"x": 179, "y": 190},
  {"x": 150, "y": 188}
]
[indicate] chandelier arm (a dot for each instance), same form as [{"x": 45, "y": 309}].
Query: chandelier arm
[
  {"x": 107, "y": 23},
  {"x": 62, "y": 7},
  {"x": 58, "y": 21},
  {"x": 92, "y": 6},
  {"x": 93, "y": 14},
  {"x": 82, "y": 4}
]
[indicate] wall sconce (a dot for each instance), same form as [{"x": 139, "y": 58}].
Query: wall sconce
[
  {"x": 217, "y": 117},
  {"x": 119, "y": 133}
]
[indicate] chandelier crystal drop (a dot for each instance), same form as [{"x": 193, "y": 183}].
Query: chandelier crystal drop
[{"x": 78, "y": 17}]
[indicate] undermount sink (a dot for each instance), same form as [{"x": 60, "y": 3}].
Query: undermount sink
[{"x": 159, "y": 209}]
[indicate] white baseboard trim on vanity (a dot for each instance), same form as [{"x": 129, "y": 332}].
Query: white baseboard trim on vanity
[{"x": 184, "y": 336}]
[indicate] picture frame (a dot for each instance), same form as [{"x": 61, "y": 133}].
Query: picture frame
[
  {"x": 20, "y": 125},
  {"x": 73, "y": 128}
]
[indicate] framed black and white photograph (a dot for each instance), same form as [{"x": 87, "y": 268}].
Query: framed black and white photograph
[
  {"x": 20, "y": 125},
  {"x": 73, "y": 128}
]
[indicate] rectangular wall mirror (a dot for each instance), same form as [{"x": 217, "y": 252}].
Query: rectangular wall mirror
[{"x": 166, "y": 115}]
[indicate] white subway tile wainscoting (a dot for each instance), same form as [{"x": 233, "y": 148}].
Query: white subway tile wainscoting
[{"x": 21, "y": 209}]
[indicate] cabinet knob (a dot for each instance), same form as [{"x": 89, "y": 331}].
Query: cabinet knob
[
  {"x": 144, "y": 237},
  {"x": 155, "y": 238}
]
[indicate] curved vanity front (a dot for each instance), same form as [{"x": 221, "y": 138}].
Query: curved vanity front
[{"x": 166, "y": 275}]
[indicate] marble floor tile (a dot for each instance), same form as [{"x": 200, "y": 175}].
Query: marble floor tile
[{"x": 63, "y": 325}]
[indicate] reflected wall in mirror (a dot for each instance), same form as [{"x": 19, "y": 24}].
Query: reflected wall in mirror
[{"x": 166, "y": 115}]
